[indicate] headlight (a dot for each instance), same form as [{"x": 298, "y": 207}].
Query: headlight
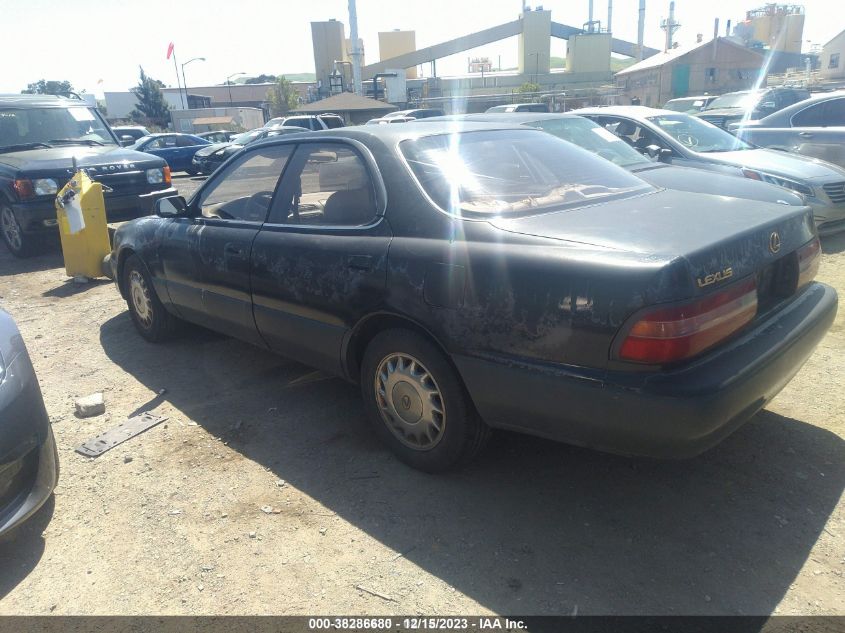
[
  {"x": 792, "y": 185},
  {"x": 44, "y": 186},
  {"x": 155, "y": 176},
  {"x": 220, "y": 152}
]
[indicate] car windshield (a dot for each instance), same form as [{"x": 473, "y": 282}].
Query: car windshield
[
  {"x": 698, "y": 135},
  {"x": 744, "y": 100},
  {"x": 247, "y": 137},
  {"x": 507, "y": 172},
  {"x": 52, "y": 126},
  {"x": 593, "y": 137}
]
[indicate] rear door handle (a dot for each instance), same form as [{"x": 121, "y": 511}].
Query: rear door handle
[
  {"x": 805, "y": 134},
  {"x": 360, "y": 262}
]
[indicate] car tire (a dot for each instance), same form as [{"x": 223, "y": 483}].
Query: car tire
[
  {"x": 417, "y": 403},
  {"x": 19, "y": 243},
  {"x": 149, "y": 315}
]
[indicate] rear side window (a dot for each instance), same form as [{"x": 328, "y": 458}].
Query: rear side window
[
  {"x": 185, "y": 141},
  {"x": 244, "y": 191},
  {"x": 332, "y": 122},
  {"x": 326, "y": 184},
  {"x": 512, "y": 172}
]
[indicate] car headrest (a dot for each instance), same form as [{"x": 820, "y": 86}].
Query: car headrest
[
  {"x": 626, "y": 128},
  {"x": 343, "y": 174}
]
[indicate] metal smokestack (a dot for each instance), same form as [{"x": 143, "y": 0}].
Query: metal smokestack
[
  {"x": 669, "y": 24},
  {"x": 728, "y": 29},
  {"x": 355, "y": 53},
  {"x": 590, "y": 18},
  {"x": 609, "y": 15},
  {"x": 716, "y": 28},
  {"x": 640, "y": 31}
]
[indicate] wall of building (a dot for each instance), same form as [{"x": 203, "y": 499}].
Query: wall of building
[
  {"x": 588, "y": 53},
  {"x": 394, "y": 43},
  {"x": 535, "y": 42},
  {"x": 716, "y": 68},
  {"x": 329, "y": 42},
  {"x": 242, "y": 118},
  {"x": 832, "y": 61}
]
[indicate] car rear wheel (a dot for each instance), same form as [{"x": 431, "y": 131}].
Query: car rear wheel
[
  {"x": 150, "y": 317},
  {"x": 418, "y": 404},
  {"x": 20, "y": 244}
]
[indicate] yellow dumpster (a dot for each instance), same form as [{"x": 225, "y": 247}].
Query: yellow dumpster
[{"x": 81, "y": 212}]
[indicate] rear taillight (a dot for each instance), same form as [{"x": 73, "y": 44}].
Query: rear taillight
[
  {"x": 809, "y": 258},
  {"x": 167, "y": 174},
  {"x": 666, "y": 335}
]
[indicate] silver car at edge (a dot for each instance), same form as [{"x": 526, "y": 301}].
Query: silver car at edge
[
  {"x": 29, "y": 465},
  {"x": 688, "y": 141}
]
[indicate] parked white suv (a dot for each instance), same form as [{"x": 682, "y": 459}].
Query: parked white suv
[{"x": 310, "y": 122}]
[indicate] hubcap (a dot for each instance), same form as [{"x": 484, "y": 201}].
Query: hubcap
[
  {"x": 140, "y": 298},
  {"x": 410, "y": 402},
  {"x": 11, "y": 230}
]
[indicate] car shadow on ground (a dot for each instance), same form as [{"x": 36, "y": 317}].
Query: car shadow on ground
[
  {"x": 532, "y": 526},
  {"x": 50, "y": 257},
  {"x": 21, "y": 550},
  {"x": 833, "y": 243}
]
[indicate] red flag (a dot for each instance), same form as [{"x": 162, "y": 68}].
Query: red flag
[{"x": 170, "y": 50}]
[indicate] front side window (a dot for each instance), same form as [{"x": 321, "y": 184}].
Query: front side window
[
  {"x": 52, "y": 126},
  {"x": 245, "y": 189},
  {"x": 505, "y": 172},
  {"x": 698, "y": 135},
  {"x": 809, "y": 117},
  {"x": 327, "y": 184}
]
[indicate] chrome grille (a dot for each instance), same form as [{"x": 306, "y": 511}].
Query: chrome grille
[{"x": 835, "y": 191}]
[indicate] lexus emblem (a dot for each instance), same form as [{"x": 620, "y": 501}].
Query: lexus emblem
[
  {"x": 406, "y": 402},
  {"x": 774, "y": 242}
]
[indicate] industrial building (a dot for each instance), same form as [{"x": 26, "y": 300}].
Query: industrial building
[{"x": 713, "y": 67}]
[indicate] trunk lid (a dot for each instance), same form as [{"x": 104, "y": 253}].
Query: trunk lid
[{"x": 719, "y": 238}]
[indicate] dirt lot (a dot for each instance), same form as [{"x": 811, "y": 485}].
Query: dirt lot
[{"x": 172, "y": 523}]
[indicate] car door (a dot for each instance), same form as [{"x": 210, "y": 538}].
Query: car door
[
  {"x": 206, "y": 257},
  {"x": 165, "y": 147},
  {"x": 186, "y": 147},
  {"x": 319, "y": 264},
  {"x": 819, "y": 131}
]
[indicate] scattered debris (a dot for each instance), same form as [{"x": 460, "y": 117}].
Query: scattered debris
[
  {"x": 127, "y": 459},
  {"x": 174, "y": 512},
  {"x": 375, "y": 593},
  {"x": 281, "y": 483},
  {"x": 401, "y": 554},
  {"x": 89, "y": 406},
  {"x": 252, "y": 535},
  {"x": 270, "y": 510},
  {"x": 707, "y": 598},
  {"x": 126, "y": 430},
  {"x": 323, "y": 531},
  {"x": 80, "y": 279}
]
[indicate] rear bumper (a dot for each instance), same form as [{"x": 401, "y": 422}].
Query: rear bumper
[
  {"x": 671, "y": 414},
  {"x": 40, "y": 215},
  {"x": 29, "y": 466}
]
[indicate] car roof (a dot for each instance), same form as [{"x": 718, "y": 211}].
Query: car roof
[
  {"x": 693, "y": 98},
  {"x": 40, "y": 101},
  {"x": 392, "y": 134},
  {"x": 517, "y": 118},
  {"x": 632, "y": 112},
  {"x": 814, "y": 98}
]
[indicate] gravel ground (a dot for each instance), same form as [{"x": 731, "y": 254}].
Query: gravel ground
[{"x": 265, "y": 493}]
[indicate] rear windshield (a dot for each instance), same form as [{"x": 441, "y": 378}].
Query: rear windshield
[
  {"x": 744, "y": 100},
  {"x": 512, "y": 172}
]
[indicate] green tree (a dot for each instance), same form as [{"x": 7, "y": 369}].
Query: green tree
[
  {"x": 261, "y": 79},
  {"x": 529, "y": 86},
  {"x": 151, "y": 108},
  {"x": 43, "y": 87},
  {"x": 282, "y": 97}
]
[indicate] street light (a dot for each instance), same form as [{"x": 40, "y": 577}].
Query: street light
[
  {"x": 229, "y": 84},
  {"x": 184, "y": 81}
]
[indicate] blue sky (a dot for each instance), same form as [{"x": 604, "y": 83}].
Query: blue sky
[{"x": 85, "y": 41}]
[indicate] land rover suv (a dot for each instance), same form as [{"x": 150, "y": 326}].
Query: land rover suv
[{"x": 40, "y": 138}]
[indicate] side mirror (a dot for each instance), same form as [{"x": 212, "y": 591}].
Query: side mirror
[
  {"x": 126, "y": 140},
  {"x": 171, "y": 207}
]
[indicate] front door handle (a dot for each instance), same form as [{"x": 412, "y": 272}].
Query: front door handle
[
  {"x": 231, "y": 249},
  {"x": 360, "y": 262},
  {"x": 805, "y": 134}
]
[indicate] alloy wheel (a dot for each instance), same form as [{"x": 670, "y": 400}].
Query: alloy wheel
[
  {"x": 141, "y": 301},
  {"x": 10, "y": 228}
]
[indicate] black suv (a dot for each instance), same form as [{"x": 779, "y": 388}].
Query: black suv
[
  {"x": 733, "y": 107},
  {"x": 40, "y": 135}
]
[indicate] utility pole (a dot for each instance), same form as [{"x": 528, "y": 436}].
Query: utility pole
[{"x": 355, "y": 54}]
